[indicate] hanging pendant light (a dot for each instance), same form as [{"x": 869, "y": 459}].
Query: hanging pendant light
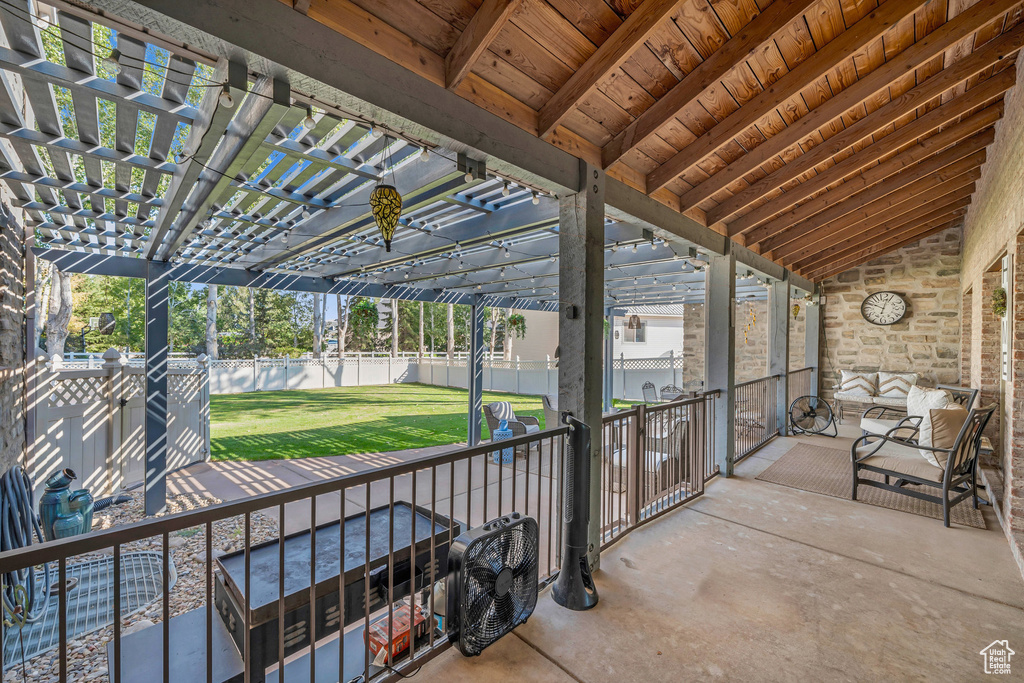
[
  {"x": 634, "y": 322},
  {"x": 386, "y": 204}
]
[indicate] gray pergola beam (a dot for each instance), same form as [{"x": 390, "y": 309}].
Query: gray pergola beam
[
  {"x": 262, "y": 109},
  {"x": 203, "y": 138},
  {"x": 778, "y": 345},
  {"x": 475, "y": 370},
  {"x": 157, "y": 321},
  {"x": 720, "y": 354}
]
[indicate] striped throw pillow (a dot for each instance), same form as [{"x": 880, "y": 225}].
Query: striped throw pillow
[
  {"x": 858, "y": 383},
  {"x": 896, "y": 384}
]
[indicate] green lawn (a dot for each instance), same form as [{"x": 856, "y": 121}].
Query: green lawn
[{"x": 344, "y": 421}]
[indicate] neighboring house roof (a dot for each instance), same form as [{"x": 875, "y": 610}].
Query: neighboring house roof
[{"x": 673, "y": 310}]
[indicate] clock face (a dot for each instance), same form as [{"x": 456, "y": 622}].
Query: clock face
[{"x": 883, "y": 308}]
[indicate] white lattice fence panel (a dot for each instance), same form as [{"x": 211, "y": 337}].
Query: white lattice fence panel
[{"x": 73, "y": 391}]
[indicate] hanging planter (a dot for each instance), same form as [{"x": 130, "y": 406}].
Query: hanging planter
[{"x": 999, "y": 302}]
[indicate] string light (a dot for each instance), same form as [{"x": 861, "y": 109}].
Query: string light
[
  {"x": 114, "y": 60},
  {"x": 424, "y": 154},
  {"x": 226, "y": 100},
  {"x": 309, "y": 122},
  {"x": 508, "y": 254},
  {"x": 615, "y": 247},
  {"x": 653, "y": 245},
  {"x": 376, "y": 132},
  {"x": 306, "y": 215},
  {"x": 536, "y": 199},
  {"x": 469, "y": 176},
  {"x": 505, "y": 191},
  {"x": 633, "y": 249},
  {"x": 552, "y": 259}
]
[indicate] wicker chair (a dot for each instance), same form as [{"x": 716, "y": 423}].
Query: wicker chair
[
  {"x": 494, "y": 413},
  {"x": 650, "y": 393},
  {"x": 896, "y": 458}
]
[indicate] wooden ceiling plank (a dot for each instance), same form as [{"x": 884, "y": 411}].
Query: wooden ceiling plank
[
  {"x": 743, "y": 45},
  {"x": 889, "y": 245},
  {"x": 925, "y": 190},
  {"x": 479, "y": 34},
  {"x": 890, "y": 167},
  {"x": 830, "y": 55},
  {"x": 863, "y": 197},
  {"x": 810, "y": 257},
  {"x": 873, "y": 152},
  {"x": 870, "y": 85},
  {"x": 612, "y": 54}
]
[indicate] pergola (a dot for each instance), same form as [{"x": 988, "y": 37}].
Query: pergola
[{"x": 563, "y": 156}]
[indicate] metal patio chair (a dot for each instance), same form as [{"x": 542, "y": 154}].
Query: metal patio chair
[{"x": 649, "y": 392}]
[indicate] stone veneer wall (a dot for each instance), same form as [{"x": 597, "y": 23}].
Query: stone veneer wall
[
  {"x": 992, "y": 228},
  {"x": 12, "y": 347},
  {"x": 926, "y": 341},
  {"x": 797, "y": 337},
  {"x": 693, "y": 342},
  {"x": 752, "y": 348}
]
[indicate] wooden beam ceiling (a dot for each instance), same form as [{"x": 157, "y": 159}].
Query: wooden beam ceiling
[
  {"x": 754, "y": 118},
  {"x": 483, "y": 28}
]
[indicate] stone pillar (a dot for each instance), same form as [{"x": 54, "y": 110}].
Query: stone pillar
[
  {"x": 475, "y": 371},
  {"x": 157, "y": 294},
  {"x": 581, "y": 281},
  {"x": 1013, "y": 462},
  {"x": 693, "y": 343},
  {"x": 720, "y": 356},
  {"x": 778, "y": 345},
  {"x": 988, "y": 379}
]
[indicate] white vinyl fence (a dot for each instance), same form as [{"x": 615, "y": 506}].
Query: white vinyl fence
[
  {"x": 531, "y": 377},
  {"x": 93, "y": 421}
]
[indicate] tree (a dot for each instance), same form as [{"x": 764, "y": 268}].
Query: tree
[
  {"x": 187, "y": 333},
  {"x": 451, "y": 331},
  {"x": 211, "y": 322},
  {"x": 252, "y": 315},
  {"x": 394, "y": 328},
  {"x": 59, "y": 316},
  {"x": 343, "y": 316},
  {"x": 364, "y": 321}
]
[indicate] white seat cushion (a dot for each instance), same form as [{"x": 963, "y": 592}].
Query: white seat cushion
[
  {"x": 532, "y": 429},
  {"x": 858, "y": 398},
  {"x": 875, "y": 425},
  {"x": 900, "y": 459}
]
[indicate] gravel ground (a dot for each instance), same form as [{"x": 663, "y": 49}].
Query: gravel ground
[{"x": 87, "y": 654}]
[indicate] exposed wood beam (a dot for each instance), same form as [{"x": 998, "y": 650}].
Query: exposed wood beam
[
  {"x": 202, "y": 140},
  {"x": 612, "y": 54},
  {"x": 481, "y": 31},
  {"x": 913, "y": 57},
  {"x": 824, "y": 60},
  {"x": 923, "y": 191},
  {"x": 262, "y": 109},
  {"x": 744, "y": 44},
  {"x": 960, "y": 157},
  {"x": 830, "y": 201},
  {"x": 887, "y": 246},
  {"x": 864, "y": 158},
  {"x": 809, "y": 257}
]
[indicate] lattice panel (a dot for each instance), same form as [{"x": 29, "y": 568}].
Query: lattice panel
[
  {"x": 134, "y": 385},
  {"x": 74, "y": 391},
  {"x": 184, "y": 388}
]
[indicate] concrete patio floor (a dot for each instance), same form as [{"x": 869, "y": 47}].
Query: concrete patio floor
[{"x": 756, "y": 581}]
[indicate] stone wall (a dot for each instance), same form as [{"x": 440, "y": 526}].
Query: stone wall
[
  {"x": 926, "y": 341},
  {"x": 751, "y": 339},
  {"x": 797, "y": 337},
  {"x": 693, "y": 343},
  {"x": 12, "y": 350}
]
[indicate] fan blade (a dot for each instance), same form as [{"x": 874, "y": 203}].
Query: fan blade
[{"x": 821, "y": 423}]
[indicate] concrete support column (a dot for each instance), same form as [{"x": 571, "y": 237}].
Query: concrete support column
[
  {"x": 475, "y": 370},
  {"x": 720, "y": 353},
  {"x": 778, "y": 345},
  {"x": 157, "y": 295},
  {"x": 581, "y": 281},
  {"x": 812, "y": 339},
  {"x": 609, "y": 361}
]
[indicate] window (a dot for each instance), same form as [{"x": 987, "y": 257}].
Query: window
[{"x": 636, "y": 336}]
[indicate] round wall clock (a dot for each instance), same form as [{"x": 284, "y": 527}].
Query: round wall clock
[{"x": 883, "y": 308}]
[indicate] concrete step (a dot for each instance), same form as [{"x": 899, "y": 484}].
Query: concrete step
[{"x": 142, "y": 652}]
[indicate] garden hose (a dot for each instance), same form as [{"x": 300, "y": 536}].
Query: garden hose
[
  {"x": 18, "y": 521},
  {"x": 104, "y": 503}
]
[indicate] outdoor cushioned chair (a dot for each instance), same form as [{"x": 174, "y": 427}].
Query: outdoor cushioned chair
[
  {"x": 882, "y": 419},
  {"x": 550, "y": 411},
  {"x": 650, "y": 393},
  {"x": 904, "y": 461},
  {"x": 494, "y": 413}
]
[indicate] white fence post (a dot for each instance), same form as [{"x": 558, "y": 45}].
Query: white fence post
[
  {"x": 287, "y": 363},
  {"x": 517, "y": 374},
  {"x": 622, "y": 360},
  {"x": 203, "y": 363},
  {"x": 672, "y": 363},
  {"x": 255, "y": 373}
]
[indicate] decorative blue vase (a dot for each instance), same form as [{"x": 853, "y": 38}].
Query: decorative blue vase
[{"x": 63, "y": 513}]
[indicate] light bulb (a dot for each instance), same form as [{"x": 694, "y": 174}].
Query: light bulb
[
  {"x": 633, "y": 249},
  {"x": 469, "y": 176},
  {"x": 533, "y": 279},
  {"x": 406, "y": 276},
  {"x": 309, "y": 122},
  {"x": 655, "y": 280},
  {"x": 114, "y": 60},
  {"x": 534, "y": 290},
  {"x": 552, "y": 259},
  {"x": 615, "y": 247},
  {"x": 653, "y": 246},
  {"x": 536, "y": 199},
  {"x": 479, "y": 286},
  {"x": 226, "y": 100},
  {"x": 673, "y": 288},
  {"x": 501, "y": 273},
  {"x": 376, "y": 132},
  {"x": 305, "y": 213},
  {"x": 505, "y": 191},
  {"x": 508, "y": 254},
  {"x": 424, "y": 154},
  {"x": 634, "y": 281}
]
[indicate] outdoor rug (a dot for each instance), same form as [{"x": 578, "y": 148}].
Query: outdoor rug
[{"x": 828, "y": 471}]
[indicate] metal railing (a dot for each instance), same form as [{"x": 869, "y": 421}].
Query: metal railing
[
  {"x": 798, "y": 383},
  {"x": 654, "y": 458},
  {"x": 386, "y": 564},
  {"x": 756, "y": 414}
]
